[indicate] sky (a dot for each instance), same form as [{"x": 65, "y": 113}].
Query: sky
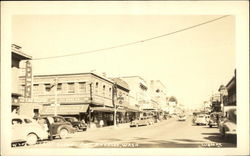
[{"x": 191, "y": 64}]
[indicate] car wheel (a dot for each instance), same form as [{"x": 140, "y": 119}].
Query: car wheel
[
  {"x": 31, "y": 139},
  {"x": 63, "y": 133}
]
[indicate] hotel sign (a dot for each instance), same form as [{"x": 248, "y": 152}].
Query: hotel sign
[{"x": 28, "y": 80}]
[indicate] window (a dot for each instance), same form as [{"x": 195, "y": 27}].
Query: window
[
  {"x": 35, "y": 87},
  {"x": 103, "y": 89},
  {"x": 59, "y": 86},
  {"x": 47, "y": 87},
  {"x": 96, "y": 87},
  {"x": 22, "y": 89},
  {"x": 71, "y": 87},
  {"x": 16, "y": 121},
  {"x": 109, "y": 91},
  {"x": 82, "y": 86}
]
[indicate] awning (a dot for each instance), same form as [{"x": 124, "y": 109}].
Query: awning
[
  {"x": 132, "y": 109},
  {"x": 64, "y": 109},
  {"x": 107, "y": 109},
  {"x": 102, "y": 109}
]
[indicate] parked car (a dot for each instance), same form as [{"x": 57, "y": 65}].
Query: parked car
[
  {"x": 57, "y": 126},
  {"x": 151, "y": 120},
  {"x": 214, "y": 119},
  {"x": 142, "y": 121},
  {"x": 228, "y": 124},
  {"x": 78, "y": 125},
  {"x": 26, "y": 130},
  {"x": 201, "y": 119},
  {"x": 182, "y": 118}
]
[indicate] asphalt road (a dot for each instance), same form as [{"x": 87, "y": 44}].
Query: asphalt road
[{"x": 165, "y": 134}]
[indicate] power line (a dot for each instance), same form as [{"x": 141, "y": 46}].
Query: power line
[{"x": 135, "y": 42}]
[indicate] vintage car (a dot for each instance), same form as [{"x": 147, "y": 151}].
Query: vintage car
[
  {"x": 228, "y": 125},
  {"x": 201, "y": 119},
  {"x": 57, "y": 126},
  {"x": 142, "y": 121},
  {"x": 78, "y": 125},
  {"x": 182, "y": 118},
  {"x": 214, "y": 119},
  {"x": 26, "y": 130}
]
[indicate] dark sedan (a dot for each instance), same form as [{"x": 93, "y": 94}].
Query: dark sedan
[{"x": 78, "y": 125}]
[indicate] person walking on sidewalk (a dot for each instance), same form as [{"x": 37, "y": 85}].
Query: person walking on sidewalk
[{"x": 101, "y": 123}]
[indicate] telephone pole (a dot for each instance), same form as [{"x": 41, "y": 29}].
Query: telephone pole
[{"x": 55, "y": 109}]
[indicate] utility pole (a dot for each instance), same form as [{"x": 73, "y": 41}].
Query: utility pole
[
  {"x": 91, "y": 98},
  {"x": 114, "y": 104},
  {"x": 55, "y": 109}
]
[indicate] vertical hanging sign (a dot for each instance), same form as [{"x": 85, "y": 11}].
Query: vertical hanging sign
[{"x": 28, "y": 80}]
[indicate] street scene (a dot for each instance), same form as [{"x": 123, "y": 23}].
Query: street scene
[
  {"x": 107, "y": 81},
  {"x": 163, "y": 134}
]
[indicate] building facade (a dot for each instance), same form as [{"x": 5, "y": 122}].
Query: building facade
[
  {"x": 17, "y": 56},
  {"x": 158, "y": 94},
  {"x": 86, "y": 96},
  {"x": 231, "y": 99},
  {"x": 139, "y": 93}
]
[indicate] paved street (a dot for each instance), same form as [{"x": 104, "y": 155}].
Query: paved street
[{"x": 167, "y": 134}]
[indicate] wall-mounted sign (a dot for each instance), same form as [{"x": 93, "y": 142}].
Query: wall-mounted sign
[{"x": 28, "y": 80}]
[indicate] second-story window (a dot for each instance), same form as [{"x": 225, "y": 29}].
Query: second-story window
[
  {"x": 59, "y": 87},
  {"x": 35, "y": 88},
  {"x": 96, "y": 87},
  {"x": 103, "y": 90},
  {"x": 47, "y": 87},
  {"x": 82, "y": 86},
  {"x": 71, "y": 88},
  {"x": 109, "y": 92}
]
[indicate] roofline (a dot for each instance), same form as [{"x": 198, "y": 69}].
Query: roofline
[
  {"x": 75, "y": 74},
  {"x": 160, "y": 83},
  {"x": 134, "y": 76},
  {"x": 231, "y": 80}
]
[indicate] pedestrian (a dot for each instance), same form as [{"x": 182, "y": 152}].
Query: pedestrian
[
  {"x": 50, "y": 122},
  {"x": 101, "y": 123}
]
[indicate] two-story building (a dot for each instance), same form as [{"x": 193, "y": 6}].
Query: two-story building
[
  {"x": 158, "y": 94},
  {"x": 17, "y": 57},
  {"x": 86, "y": 96},
  {"x": 230, "y": 101},
  {"x": 138, "y": 95}
]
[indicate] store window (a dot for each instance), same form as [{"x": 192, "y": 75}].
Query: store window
[{"x": 71, "y": 88}]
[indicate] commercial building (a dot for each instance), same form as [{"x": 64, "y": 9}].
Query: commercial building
[
  {"x": 139, "y": 93},
  {"x": 87, "y": 96},
  {"x": 17, "y": 56},
  {"x": 158, "y": 94},
  {"x": 231, "y": 99}
]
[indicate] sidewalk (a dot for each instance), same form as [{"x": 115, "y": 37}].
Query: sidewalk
[{"x": 118, "y": 126}]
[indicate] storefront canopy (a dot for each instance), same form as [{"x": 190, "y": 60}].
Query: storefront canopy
[
  {"x": 64, "y": 109},
  {"x": 107, "y": 109}
]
